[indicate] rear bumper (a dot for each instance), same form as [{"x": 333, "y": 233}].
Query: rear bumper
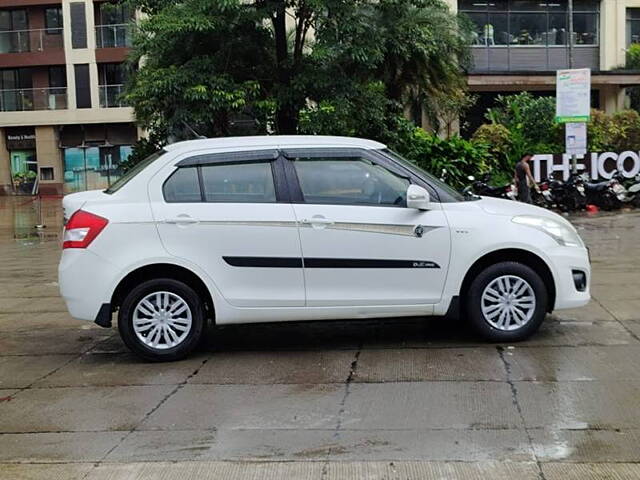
[
  {"x": 566, "y": 261},
  {"x": 85, "y": 280}
]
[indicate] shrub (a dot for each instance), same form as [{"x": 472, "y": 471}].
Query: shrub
[
  {"x": 531, "y": 120},
  {"x": 498, "y": 138},
  {"x": 633, "y": 57},
  {"x": 626, "y": 131},
  {"x": 459, "y": 157}
]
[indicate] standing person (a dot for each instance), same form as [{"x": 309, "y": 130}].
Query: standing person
[{"x": 524, "y": 179}]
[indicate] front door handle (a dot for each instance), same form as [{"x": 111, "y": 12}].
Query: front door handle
[{"x": 181, "y": 220}]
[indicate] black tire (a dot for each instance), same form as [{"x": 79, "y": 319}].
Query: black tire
[
  {"x": 476, "y": 316},
  {"x": 192, "y": 334}
]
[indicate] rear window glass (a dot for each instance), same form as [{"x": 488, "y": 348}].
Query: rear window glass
[
  {"x": 131, "y": 173},
  {"x": 239, "y": 183},
  {"x": 182, "y": 186}
]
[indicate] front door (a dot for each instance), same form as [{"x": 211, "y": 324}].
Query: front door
[
  {"x": 226, "y": 214},
  {"x": 361, "y": 245}
]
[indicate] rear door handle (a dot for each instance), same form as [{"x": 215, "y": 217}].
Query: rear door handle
[
  {"x": 181, "y": 220},
  {"x": 317, "y": 221}
]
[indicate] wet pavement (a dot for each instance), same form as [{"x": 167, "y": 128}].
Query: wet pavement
[{"x": 394, "y": 399}]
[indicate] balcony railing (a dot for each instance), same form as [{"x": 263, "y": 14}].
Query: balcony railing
[
  {"x": 110, "y": 36},
  {"x": 27, "y": 99},
  {"x": 20, "y": 41},
  {"x": 111, "y": 96}
]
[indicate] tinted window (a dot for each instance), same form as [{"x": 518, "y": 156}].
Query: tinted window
[
  {"x": 239, "y": 183},
  {"x": 349, "y": 181},
  {"x": 182, "y": 186}
]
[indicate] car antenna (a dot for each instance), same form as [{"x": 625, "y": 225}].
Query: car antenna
[{"x": 194, "y": 133}]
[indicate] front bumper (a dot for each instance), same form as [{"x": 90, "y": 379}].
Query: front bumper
[{"x": 566, "y": 262}]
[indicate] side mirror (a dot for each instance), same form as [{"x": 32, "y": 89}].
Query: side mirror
[{"x": 417, "y": 197}]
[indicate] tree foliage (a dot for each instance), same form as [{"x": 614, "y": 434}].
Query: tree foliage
[{"x": 289, "y": 66}]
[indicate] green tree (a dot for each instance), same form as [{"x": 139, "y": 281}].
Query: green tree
[{"x": 217, "y": 64}]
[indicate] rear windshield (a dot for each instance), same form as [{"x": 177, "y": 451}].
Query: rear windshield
[{"x": 135, "y": 170}]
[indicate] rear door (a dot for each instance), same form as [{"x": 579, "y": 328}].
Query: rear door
[
  {"x": 361, "y": 245},
  {"x": 229, "y": 214}
]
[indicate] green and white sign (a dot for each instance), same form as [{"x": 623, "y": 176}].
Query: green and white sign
[{"x": 573, "y": 95}]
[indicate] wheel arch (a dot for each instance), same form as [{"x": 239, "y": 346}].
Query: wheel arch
[
  {"x": 519, "y": 255},
  {"x": 163, "y": 270}
]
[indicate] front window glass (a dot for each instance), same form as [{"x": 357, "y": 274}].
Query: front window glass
[
  {"x": 349, "y": 181},
  {"x": 445, "y": 192},
  {"x": 239, "y": 183}
]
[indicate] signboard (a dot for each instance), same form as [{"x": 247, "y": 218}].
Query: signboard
[
  {"x": 576, "y": 138},
  {"x": 20, "y": 138},
  {"x": 597, "y": 165},
  {"x": 573, "y": 95}
]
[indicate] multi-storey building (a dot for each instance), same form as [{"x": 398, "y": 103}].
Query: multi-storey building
[
  {"x": 519, "y": 44},
  {"x": 62, "y": 123}
]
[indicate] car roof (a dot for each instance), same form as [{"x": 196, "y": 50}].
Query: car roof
[{"x": 275, "y": 141}]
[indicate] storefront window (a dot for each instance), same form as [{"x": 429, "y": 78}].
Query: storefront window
[
  {"x": 24, "y": 170},
  {"x": 93, "y": 168}
]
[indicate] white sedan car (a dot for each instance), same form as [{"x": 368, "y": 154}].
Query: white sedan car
[{"x": 267, "y": 229}]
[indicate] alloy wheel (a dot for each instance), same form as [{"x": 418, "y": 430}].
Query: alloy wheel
[
  {"x": 162, "y": 320},
  {"x": 508, "y": 303}
]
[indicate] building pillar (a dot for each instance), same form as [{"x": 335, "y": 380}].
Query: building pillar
[
  {"x": 5, "y": 166},
  {"x": 49, "y": 157},
  {"x": 612, "y": 34},
  {"x": 611, "y": 98}
]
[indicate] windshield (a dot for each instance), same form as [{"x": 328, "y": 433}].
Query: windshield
[
  {"x": 135, "y": 170},
  {"x": 447, "y": 193}
]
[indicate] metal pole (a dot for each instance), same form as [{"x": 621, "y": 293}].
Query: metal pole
[
  {"x": 574, "y": 158},
  {"x": 570, "y": 8}
]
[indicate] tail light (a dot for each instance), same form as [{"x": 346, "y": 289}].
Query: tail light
[
  {"x": 82, "y": 228},
  {"x": 544, "y": 186}
]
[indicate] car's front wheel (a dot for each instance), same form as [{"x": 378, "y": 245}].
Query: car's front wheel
[
  {"x": 507, "y": 302},
  {"x": 161, "y": 320}
]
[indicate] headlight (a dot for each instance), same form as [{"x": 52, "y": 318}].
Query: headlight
[{"x": 563, "y": 234}]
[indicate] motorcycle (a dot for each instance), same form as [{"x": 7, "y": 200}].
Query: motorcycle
[
  {"x": 627, "y": 190},
  {"x": 605, "y": 194},
  {"x": 543, "y": 196},
  {"x": 482, "y": 188}
]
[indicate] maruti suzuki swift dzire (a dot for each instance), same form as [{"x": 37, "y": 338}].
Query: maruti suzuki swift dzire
[{"x": 286, "y": 228}]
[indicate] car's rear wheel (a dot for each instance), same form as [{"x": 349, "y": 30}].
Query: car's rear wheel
[
  {"x": 161, "y": 320},
  {"x": 507, "y": 302}
]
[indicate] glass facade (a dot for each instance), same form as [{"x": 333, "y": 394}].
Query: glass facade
[
  {"x": 524, "y": 35},
  {"x": 524, "y": 23},
  {"x": 92, "y": 168}
]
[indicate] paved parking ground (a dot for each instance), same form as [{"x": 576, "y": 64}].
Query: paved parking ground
[{"x": 394, "y": 399}]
